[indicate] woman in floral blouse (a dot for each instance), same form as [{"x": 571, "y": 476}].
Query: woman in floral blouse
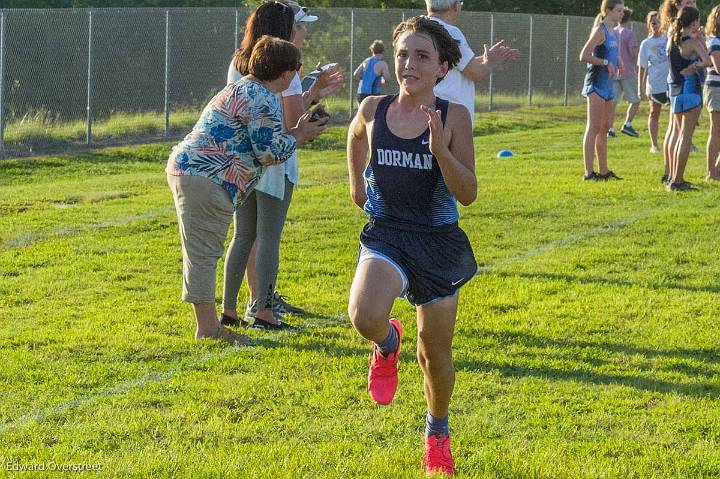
[{"x": 217, "y": 165}]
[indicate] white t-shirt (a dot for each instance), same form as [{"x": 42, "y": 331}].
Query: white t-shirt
[
  {"x": 456, "y": 87},
  {"x": 272, "y": 181},
  {"x": 653, "y": 57}
]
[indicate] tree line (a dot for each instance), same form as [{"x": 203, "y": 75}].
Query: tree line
[{"x": 553, "y": 7}]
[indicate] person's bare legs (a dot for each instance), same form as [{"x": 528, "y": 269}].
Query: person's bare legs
[
  {"x": 654, "y": 122},
  {"x": 436, "y": 326},
  {"x": 595, "y": 127},
  {"x": 631, "y": 112},
  {"x": 713, "y": 147},
  {"x": 676, "y": 121},
  {"x": 689, "y": 120},
  {"x": 668, "y": 144},
  {"x": 613, "y": 110},
  {"x": 376, "y": 285},
  {"x": 605, "y": 109}
]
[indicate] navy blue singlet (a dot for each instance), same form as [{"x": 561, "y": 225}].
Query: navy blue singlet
[{"x": 403, "y": 180}]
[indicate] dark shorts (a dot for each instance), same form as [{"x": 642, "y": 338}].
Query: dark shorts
[
  {"x": 660, "y": 98},
  {"x": 436, "y": 261}
]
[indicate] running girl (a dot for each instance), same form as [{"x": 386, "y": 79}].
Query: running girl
[
  {"x": 603, "y": 63},
  {"x": 421, "y": 161}
]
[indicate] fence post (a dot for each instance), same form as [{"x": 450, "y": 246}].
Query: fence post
[
  {"x": 402, "y": 15},
  {"x": 490, "y": 80},
  {"x": 352, "y": 58},
  {"x": 167, "y": 76},
  {"x": 530, "y": 65},
  {"x": 88, "y": 131},
  {"x": 237, "y": 27},
  {"x": 567, "y": 57},
  {"x": 2, "y": 82}
]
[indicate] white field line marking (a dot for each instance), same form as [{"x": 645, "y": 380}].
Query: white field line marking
[
  {"x": 547, "y": 247},
  {"x": 121, "y": 388},
  {"x": 27, "y": 239}
]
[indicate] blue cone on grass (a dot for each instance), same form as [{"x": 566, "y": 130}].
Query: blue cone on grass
[{"x": 504, "y": 154}]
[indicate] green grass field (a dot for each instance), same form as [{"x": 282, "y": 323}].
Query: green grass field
[{"x": 587, "y": 347}]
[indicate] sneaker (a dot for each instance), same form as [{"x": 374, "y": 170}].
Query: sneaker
[
  {"x": 281, "y": 306},
  {"x": 694, "y": 149},
  {"x": 679, "y": 186},
  {"x": 630, "y": 131},
  {"x": 654, "y": 149},
  {"x": 383, "y": 374},
  {"x": 608, "y": 176},
  {"x": 438, "y": 457},
  {"x": 611, "y": 133},
  {"x": 256, "y": 323},
  {"x": 591, "y": 177},
  {"x": 664, "y": 179}
]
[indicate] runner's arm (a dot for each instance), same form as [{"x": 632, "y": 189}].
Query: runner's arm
[
  {"x": 453, "y": 148},
  {"x": 357, "y": 150}
]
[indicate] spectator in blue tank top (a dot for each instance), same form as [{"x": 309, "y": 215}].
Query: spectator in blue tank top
[
  {"x": 603, "y": 63},
  {"x": 372, "y": 72},
  {"x": 410, "y": 157}
]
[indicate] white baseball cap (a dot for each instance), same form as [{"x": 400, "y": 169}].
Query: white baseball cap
[{"x": 301, "y": 14}]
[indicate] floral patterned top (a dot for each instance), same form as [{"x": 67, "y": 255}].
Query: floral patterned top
[{"x": 239, "y": 133}]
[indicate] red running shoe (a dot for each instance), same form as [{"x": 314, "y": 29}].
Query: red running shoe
[
  {"x": 438, "y": 458},
  {"x": 383, "y": 374}
]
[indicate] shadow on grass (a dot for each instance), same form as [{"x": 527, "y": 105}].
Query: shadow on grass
[
  {"x": 569, "y": 278},
  {"x": 707, "y": 385}
]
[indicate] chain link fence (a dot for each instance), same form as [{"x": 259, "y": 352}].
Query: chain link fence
[{"x": 78, "y": 77}]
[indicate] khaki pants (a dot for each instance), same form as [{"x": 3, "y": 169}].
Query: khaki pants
[
  {"x": 712, "y": 98},
  {"x": 204, "y": 210}
]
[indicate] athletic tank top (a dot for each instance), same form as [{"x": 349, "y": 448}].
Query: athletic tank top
[
  {"x": 678, "y": 63},
  {"x": 597, "y": 75},
  {"x": 403, "y": 181},
  {"x": 370, "y": 82}
]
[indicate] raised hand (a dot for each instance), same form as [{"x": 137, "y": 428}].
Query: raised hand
[
  {"x": 437, "y": 131},
  {"x": 327, "y": 83},
  {"x": 498, "y": 55},
  {"x": 308, "y": 130}
]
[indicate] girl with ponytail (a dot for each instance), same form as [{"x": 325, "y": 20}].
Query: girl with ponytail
[
  {"x": 668, "y": 13},
  {"x": 687, "y": 55},
  {"x": 603, "y": 63}
]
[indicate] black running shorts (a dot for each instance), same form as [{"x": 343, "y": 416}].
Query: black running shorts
[{"x": 437, "y": 260}]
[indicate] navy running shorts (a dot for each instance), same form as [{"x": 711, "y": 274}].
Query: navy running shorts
[{"x": 436, "y": 260}]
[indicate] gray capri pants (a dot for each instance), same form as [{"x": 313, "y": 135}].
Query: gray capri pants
[
  {"x": 259, "y": 219},
  {"x": 204, "y": 210}
]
